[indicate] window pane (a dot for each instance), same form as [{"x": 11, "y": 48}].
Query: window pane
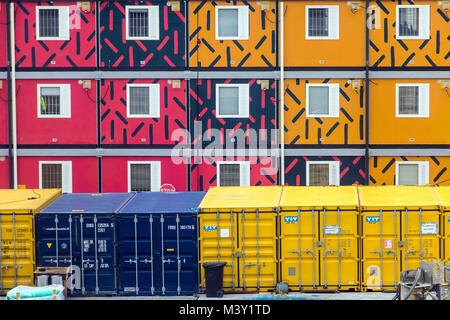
[
  {"x": 408, "y": 100},
  {"x": 318, "y": 22},
  {"x": 318, "y": 100},
  {"x": 51, "y": 176},
  {"x": 228, "y": 22},
  {"x": 50, "y": 100},
  {"x": 408, "y": 174},
  {"x": 139, "y": 100},
  {"x": 138, "y": 23},
  {"x": 48, "y": 22},
  {"x": 141, "y": 177},
  {"x": 228, "y": 100},
  {"x": 319, "y": 175},
  {"x": 230, "y": 175},
  {"x": 409, "y": 22}
]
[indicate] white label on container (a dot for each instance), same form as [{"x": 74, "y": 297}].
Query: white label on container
[
  {"x": 224, "y": 233},
  {"x": 332, "y": 230},
  {"x": 429, "y": 228},
  {"x": 388, "y": 244}
]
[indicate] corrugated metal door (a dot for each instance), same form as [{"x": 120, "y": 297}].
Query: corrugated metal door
[
  {"x": 56, "y": 244},
  {"x": 421, "y": 237},
  {"x": 218, "y": 242},
  {"x": 381, "y": 262},
  {"x": 339, "y": 263},
  {"x": 247, "y": 242},
  {"x": 299, "y": 254},
  {"x": 97, "y": 253},
  {"x": 257, "y": 249},
  {"x": 319, "y": 249},
  {"x": 158, "y": 254},
  {"x": 16, "y": 250}
]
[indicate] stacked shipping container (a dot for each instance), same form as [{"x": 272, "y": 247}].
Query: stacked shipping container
[{"x": 130, "y": 96}]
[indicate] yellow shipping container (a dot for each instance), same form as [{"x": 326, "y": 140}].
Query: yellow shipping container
[
  {"x": 319, "y": 238},
  {"x": 400, "y": 227},
  {"x": 17, "y": 249},
  {"x": 443, "y": 194},
  {"x": 237, "y": 225}
]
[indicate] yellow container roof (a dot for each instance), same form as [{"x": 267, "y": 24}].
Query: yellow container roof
[
  {"x": 26, "y": 199},
  {"x": 241, "y": 197},
  {"x": 397, "y": 196},
  {"x": 341, "y": 196},
  {"x": 443, "y": 194}
]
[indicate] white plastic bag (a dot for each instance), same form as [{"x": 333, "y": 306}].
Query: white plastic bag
[{"x": 51, "y": 292}]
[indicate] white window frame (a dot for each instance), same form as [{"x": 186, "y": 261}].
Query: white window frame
[
  {"x": 333, "y": 102},
  {"x": 424, "y": 100},
  {"x": 154, "y": 100},
  {"x": 244, "y": 171},
  {"x": 423, "y": 175},
  {"x": 424, "y": 22},
  {"x": 153, "y": 23},
  {"x": 155, "y": 168},
  {"x": 63, "y": 19},
  {"x": 66, "y": 174},
  {"x": 333, "y": 171},
  {"x": 244, "y": 102},
  {"x": 333, "y": 23},
  {"x": 64, "y": 100},
  {"x": 243, "y": 22}
]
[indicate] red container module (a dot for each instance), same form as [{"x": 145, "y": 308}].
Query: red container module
[
  {"x": 254, "y": 171},
  {"x": 73, "y": 123},
  {"x": 3, "y": 31},
  {"x": 71, "y": 45},
  {"x": 79, "y": 174},
  {"x": 116, "y": 174},
  {"x": 166, "y": 115}
]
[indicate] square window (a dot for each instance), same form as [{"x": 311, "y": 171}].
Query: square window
[
  {"x": 56, "y": 174},
  {"x": 228, "y": 23},
  {"x": 144, "y": 176},
  {"x": 411, "y": 173},
  {"x": 141, "y": 177},
  {"x": 408, "y": 100},
  {"x": 319, "y": 100},
  {"x": 232, "y": 100},
  {"x": 52, "y": 23},
  {"x": 51, "y": 175},
  {"x": 412, "y": 100},
  {"x": 143, "y": 100},
  {"x": 322, "y": 100},
  {"x": 233, "y": 173},
  {"x": 322, "y": 173},
  {"x": 230, "y": 175},
  {"x": 54, "y": 101},
  {"x": 413, "y": 22},
  {"x": 232, "y": 22},
  {"x": 50, "y": 101},
  {"x": 408, "y": 21},
  {"x": 322, "y": 22},
  {"x": 319, "y": 175},
  {"x": 318, "y": 22},
  {"x": 408, "y": 174},
  {"x": 142, "y": 22}
]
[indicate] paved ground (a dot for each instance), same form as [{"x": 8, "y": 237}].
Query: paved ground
[{"x": 267, "y": 296}]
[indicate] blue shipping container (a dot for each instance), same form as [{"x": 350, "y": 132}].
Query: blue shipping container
[
  {"x": 157, "y": 244},
  {"x": 78, "y": 230}
]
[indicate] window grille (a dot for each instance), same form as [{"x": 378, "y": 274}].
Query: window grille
[
  {"x": 409, "y": 22},
  {"x": 49, "y": 23},
  {"x": 140, "y": 177},
  {"x": 319, "y": 175},
  {"x": 408, "y": 100},
  {"x": 52, "y": 176},
  {"x": 50, "y": 101},
  {"x": 139, "y": 100},
  {"x": 318, "y": 22},
  {"x": 138, "y": 23},
  {"x": 230, "y": 175}
]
